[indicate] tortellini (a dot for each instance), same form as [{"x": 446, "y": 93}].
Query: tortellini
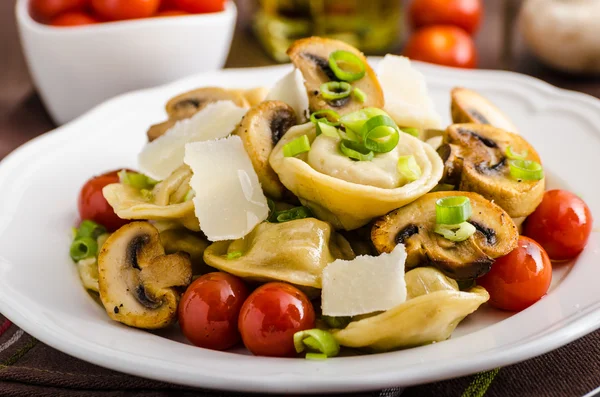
[
  {"x": 168, "y": 201},
  {"x": 432, "y": 311},
  {"x": 295, "y": 252},
  {"x": 346, "y": 193}
]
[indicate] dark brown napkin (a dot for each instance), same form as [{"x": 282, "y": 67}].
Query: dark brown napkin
[{"x": 30, "y": 368}]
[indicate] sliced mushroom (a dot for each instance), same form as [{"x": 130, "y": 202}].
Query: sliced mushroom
[
  {"x": 468, "y": 106},
  {"x": 311, "y": 57},
  {"x": 138, "y": 282},
  {"x": 414, "y": 224},
  {"x": 261, "y": 128},
  {"x": 475, "y": 161}
]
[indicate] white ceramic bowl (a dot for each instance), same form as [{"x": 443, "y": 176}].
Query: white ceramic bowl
[{"x": 74, "y": 69}]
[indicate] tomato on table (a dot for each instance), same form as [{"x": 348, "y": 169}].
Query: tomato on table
[
  {"x": 465, "y": 14},
  {"x": 520, "y": 278},
  {"x": 200, "y": 6},
  {"x": 114, "y": 10},
  {"x": 562, "y": 224},
  {"x": 443, "y": 45},
  {"x": 209, "y": 310},
  {"x": 74, "y": 18},
  {"x": 93, "y": 206},
  {"x": 46, "y": 10},
  {"x": 271, "y": 316}
]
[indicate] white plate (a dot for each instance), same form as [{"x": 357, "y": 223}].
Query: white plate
[{"x": 40, "y": 290}]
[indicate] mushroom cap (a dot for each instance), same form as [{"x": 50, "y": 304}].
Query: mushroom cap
[
  {"x": 414, "y": 225},
  {"x": 475, "y": 160},
  {"x": 311, "y": 57},
  {"x": 467, "y": 106},
  {"x": 260, "y": 130},
  {"x": 137, "y": 281}
]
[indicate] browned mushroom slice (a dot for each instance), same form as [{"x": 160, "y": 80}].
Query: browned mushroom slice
[
  {"x": 414, "y": 224},
  {"x": 261, "y": 128},
  {"x": 475, "y": 161},
  {"x": 468, "y": 106},
  {"x": 137, "y": 281},
  {"x": 311, "y": 57}
]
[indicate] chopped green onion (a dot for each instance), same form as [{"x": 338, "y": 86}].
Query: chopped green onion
[
  {"x": 90, "y": 229},
  {"x": 234, "y": 254},
  {"x": 335, "y": 90},
  {"x": 337, "y": 322},
  {"x": 316, "y": 340},
  {"x": 292, "y": 214},
  {"x": 356, "y": 120},
  {"x": 456, "y": 233},
  {"x": 359, "y": 95},
  {"x": 408, "y": 167},
  {"x": 516, "y": 155},
  {"x": 136, "y": 180},
  {"x": 316, "y": 356},
  {"x": 297, "y": 146},
  {"x": 452, "y": 210},
  {"x": 380, "y": 134},
  {"x": 82, "y": 248},
  {"x": 355, "y": 150},
  {"x": 527, "y": 170},
  {"x": 326, "y": 116},
  {"x": 189, "y": 195},
  {"x": 346, "y": 65},
  {"x": 327, "y": 130},
  {"x": 410, "y": 131}
]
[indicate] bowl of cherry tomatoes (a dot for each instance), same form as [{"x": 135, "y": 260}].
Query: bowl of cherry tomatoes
[{"x": 82, "y": 52}]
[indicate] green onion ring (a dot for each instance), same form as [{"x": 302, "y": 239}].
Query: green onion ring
[
  {"x": 234, "y": 254},
  {"x": 326, "y": 116},
  {"x": 340, "y": 58},
  {"x": 408, "y": 167},
  {"x": 335, "y": 90},
  {"x": 456, "y": 233},
  {"x": 297, "y": 146},
  {"x": 527, "y": 170},
  {"x": 452, "y": 210},
  {"x": 316, "y": 341},
  {"x": 327, "y": 130},
  {"x": 136, "y": 180},
  {"x": 316, "y": 356},
  {"x": 355, "y": 150},
  {"x": 89, "y": 228},
  {"x": 359, "y": 95},
  {"x": 410, "y": 131},
  {"x": 380, "y": 134},
  {"x": 293, "y": 214},
  {"x": 516, "y": 155},
  {"x": 83, "y": 248}
]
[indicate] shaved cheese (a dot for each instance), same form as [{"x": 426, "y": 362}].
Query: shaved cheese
[
  {"x": 405, "y": 90},
  {"x": 365, "y": 284},
  {"x": 290, "y": 89},
  {"x": 164, "y": 155},
  {"x": 229, "y": 201}
]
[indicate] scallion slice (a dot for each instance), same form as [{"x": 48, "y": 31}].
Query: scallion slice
[
  {"x": 355, "y": 120},
  {"x": 346, "y": 65},
  {"x": 410, "y": 131},
  {"x": 316, "y": 356},
  {"x": 89, "y": 228},
  {"x": 408, "y": 167},
  {"x": 316, "y": 341},
  {"x": 527, "y": 170},
  {"x": 335, "y": 90},
  {"x": 380, "y": 134},
  {"x": 515, "y": 155},
  {"x": 293, "y": 214},
  {"x": 326, "y": 116},
  {"x": 452, "y": 210},
  {"x": 327, "y": 130},
  {"x": 359, "y": 95},
  {"x": 355, "y": 150},
  {"x": 83, "y": 248},
  {"x": 136, "y": 180},
  {"x": 297, "y": 146},
  {"x": 234, "y": 254},
  {"x": 456, "y": 233}
]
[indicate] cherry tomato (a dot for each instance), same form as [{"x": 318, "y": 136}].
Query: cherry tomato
[
  {"x": 562, "y": 224},
  {"x": 114, "y": 10},
  {"x": 46, "y": 10},
  {"x": 271, "y": 316},
  {"x": 209, "y": 310},
  {"x": 171, "y": 13},
  {"x": 465, "y": 14},
  {"x": 74, "y": 18},
  {"x": 167, "y": 5},
  {"x": 93, "y": 206},
  {"x": 444, "y": 45},
  {"x": 520, "y": 278},
  {"x": 200, "y": 6}
]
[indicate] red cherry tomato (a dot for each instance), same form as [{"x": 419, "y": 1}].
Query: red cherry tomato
[
  {"x": 519, "y": 279},
  {"x": 200, "y": 6},
  {"x": 465, "y": 14},
  {"x": 271, "y": 316},
  {"x": 444, "y": 45},
  {"x": 562, "y": 224},
  {"x": 171, "y": 13},
  {"x": 114, "y": 10},
  {"x": 167, "y": 5},
  {"x": 46, "y": 10},
  {"x": 74, "y": 18},
  {"x": 209, "y": 310},
  {"x": 93, "y": 206}
]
